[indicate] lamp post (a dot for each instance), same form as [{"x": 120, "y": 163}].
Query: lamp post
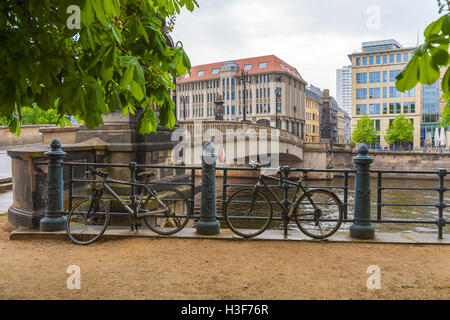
[
  {"x": 219, "y": 107},
  {"x": 244, "y": 79}
]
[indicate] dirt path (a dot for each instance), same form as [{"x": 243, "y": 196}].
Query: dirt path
[{"x": 212, "y": 269}]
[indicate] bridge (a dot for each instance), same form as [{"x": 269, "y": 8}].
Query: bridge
[{"x": 236, "y": 142}]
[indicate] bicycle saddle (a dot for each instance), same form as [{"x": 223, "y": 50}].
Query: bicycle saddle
[{"x": 147, "y": 174}]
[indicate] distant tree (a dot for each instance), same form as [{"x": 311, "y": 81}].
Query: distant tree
[
  {"x": 424, "y": 67},
  {"x": 364, "y": 131},
  {"x": 400, "y": 131},
  {"x": 89, "y": 58}
]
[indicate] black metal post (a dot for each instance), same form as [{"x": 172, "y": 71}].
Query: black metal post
[
  {"x": 361, "y": 228},
  {"x": 441, "y": 221},
  {"x": 132, "y": 166},
  {"x": 54, "y": 219},
  {"x": 380, "y": 189},
  {"x": 208, "y": 224},
  {"x": 345, "y": 195}
]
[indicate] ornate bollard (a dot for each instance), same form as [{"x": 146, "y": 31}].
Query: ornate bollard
[
  {"x": 208, "y": 224},
  {"x": 54, "y": 219},
  {"x": 361, "y": 228}
]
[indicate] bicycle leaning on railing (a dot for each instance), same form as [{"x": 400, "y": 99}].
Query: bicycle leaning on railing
[
  {"x": 165, "y": 211},
  {"x": 317, "y": 212}
]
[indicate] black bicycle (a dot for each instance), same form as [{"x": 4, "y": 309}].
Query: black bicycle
[
  {"x": 317, "y": 212},
  {"x": 165, "y": 211}
]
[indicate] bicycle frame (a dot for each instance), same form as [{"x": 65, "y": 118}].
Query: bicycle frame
[
  {"x": 286, "y": 210},
  {"x": 133, "y": 212}
]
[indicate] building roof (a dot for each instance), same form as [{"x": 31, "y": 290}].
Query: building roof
[{"x": 274, "y": 64}]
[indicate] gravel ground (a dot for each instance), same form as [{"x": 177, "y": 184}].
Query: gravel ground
[{"x": 142, "y": 268}]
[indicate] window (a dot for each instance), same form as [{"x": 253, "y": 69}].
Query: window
[
  {"x": 215, "y": 71},
  {"x": 278, "y": 92},
  {"x": 374, "y": 93},
  {"x": 232, "y": 110},
  {"x": 385, "y": 108},
  {"x": 376, "y": 125},
  {"x": 186, "y": 75},
  {"x": 248, "y": 66},
  {"x": 361, "y": 78},
  {"x": 393, "y": 74},
  {"x": 374, "y": 108},
  {"x": 405, "y": 57},
  {"x": 410, "y": 93},
  {"x": 384, "y": 92},
  {"x": 361, "y": 109},
  {"x": 364, "y": 61},
  {"x": 200, "y": 73},
  {"x": 358, "y": 61},
  {"x": 232, "y": 95},
  {"x": 399, "y": 57},
  {"x": 374, "y": 77},
  {"x": 385, "y": 59},
  {"x": 262, "y": 65},
  {"x": 371, "y": 60},
  {"x": 384, "y": 76},
  {"x": 391, "y": 58},
  {"x": 378, "y": 59},
  {"x": 361, "y": 94}
]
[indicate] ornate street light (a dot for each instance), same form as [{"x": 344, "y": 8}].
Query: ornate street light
[
  {"x": 219, "y": 107},
  {"x": 244, "y": 79}
]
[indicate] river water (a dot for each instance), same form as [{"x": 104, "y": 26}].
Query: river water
[{"x": 388, "y": 196}]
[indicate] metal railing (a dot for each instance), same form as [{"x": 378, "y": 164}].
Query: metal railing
[{"x": 133, "y": 168}]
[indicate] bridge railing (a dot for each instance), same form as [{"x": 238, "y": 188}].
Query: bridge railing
[{"x": 361, "y": 194}]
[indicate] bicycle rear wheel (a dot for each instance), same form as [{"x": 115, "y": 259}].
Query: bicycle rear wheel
[
  {"x": 245, "y": 219},
  {"x": 87, "y": 221},
  {"x": 164, "y": 222},
  {"x": 324, "y": 221}
]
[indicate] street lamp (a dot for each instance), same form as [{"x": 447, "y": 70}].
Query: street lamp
[
  {"x": 219, "y": 107},
  {"x": 244, "y": 79}
]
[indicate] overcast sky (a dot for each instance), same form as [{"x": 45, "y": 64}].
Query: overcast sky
[{"x": 315, "y": 36}]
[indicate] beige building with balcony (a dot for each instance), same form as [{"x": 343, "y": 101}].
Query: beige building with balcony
[{"x": 274, "y": 93}]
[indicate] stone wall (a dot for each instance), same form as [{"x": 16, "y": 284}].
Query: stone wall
[
  {"x": 320, "y": 156},
  {"x": 29, "y": 134}
]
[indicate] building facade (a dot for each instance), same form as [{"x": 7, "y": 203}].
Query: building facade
[
  {"x": 328, "y": 117},
  {"x": 344, "y": 88},
  {"x": 373, "y": 88},
  {"x": 312, "y": 127},
  {"x": 274, "y": 93}
]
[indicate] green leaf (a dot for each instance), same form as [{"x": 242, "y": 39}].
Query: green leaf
[
  {"x": 446, "y": 24},
  {"x": 127, "y": 77},
  {"x": 428, "y": 71},
  {"x": 136, "y": 91},
  {"x": 98, "y": 8},
  {"x": 409, "y": 76},
  {"x": 439, "y": 55},
  {"x": 434, "y": 27},
  {"x": 87, "y": 13},
  {"x": 14, "y": 126}
]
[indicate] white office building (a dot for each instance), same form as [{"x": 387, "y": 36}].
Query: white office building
[{"x": 344, "y": 88}]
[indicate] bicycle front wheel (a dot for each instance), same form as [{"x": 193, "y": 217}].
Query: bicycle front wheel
[
  {"x": 322, "y": 221},
  {"x": 168, "y": 212},
  {"x": 87, "y": 221},
  {"x": 248, "y": 213}
]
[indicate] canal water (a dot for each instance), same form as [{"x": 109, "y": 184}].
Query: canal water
[{"x": 388, "y": 196}]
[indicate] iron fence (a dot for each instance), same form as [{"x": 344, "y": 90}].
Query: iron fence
[{"x": 286, "y": 184}]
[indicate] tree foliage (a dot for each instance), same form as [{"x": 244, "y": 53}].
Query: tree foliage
[
  {"x": 119, "y": 58},
  {"x": 364, "y": 131},
  {"x": 424, "y": 67},
  {"x": 401, "y": 129}
]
